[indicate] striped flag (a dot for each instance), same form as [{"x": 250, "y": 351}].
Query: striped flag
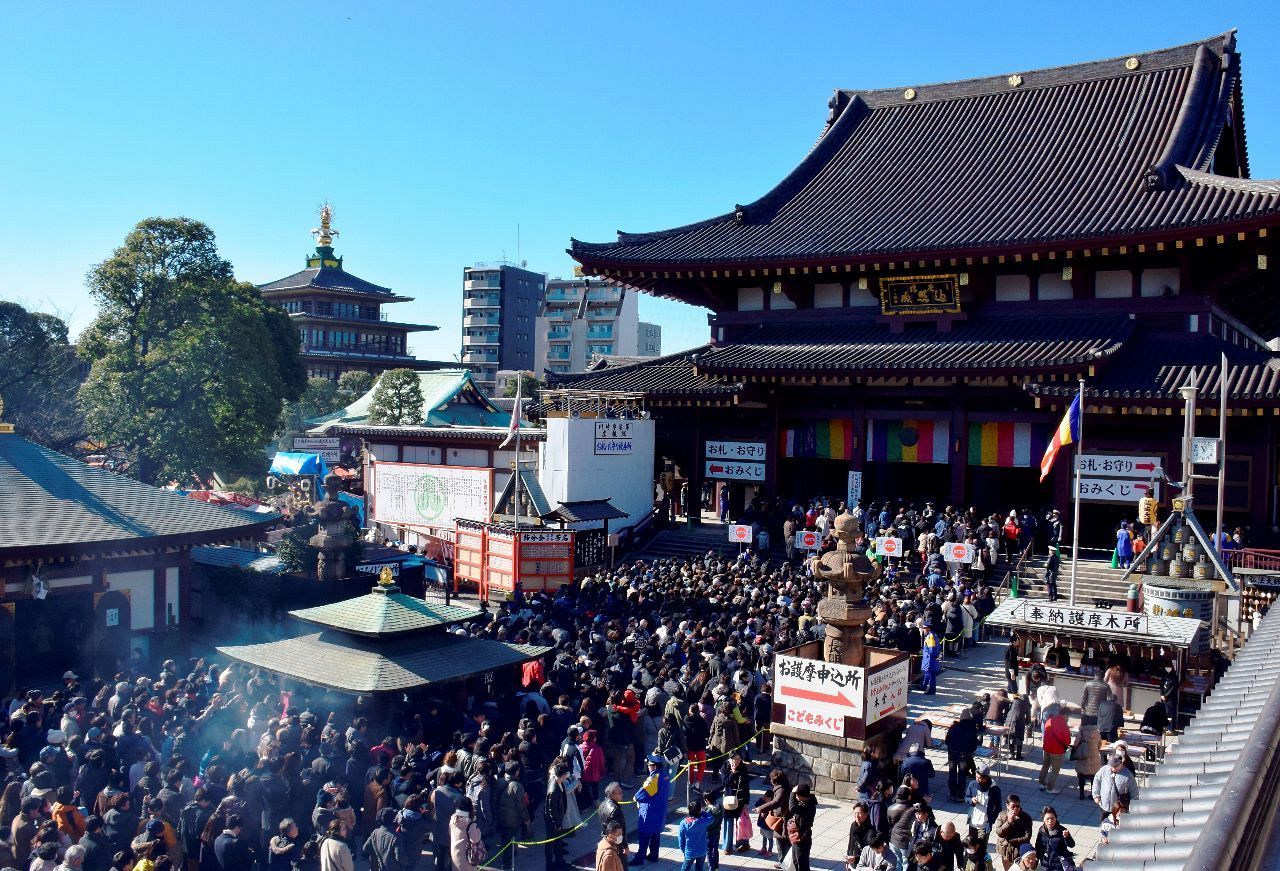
[{"x": 1068, "y": 432}]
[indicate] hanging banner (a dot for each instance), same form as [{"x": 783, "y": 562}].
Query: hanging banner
[{"x": 909, "y": 441}]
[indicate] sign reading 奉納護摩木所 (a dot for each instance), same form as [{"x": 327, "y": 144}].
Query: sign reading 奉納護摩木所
[
  {"x": 1071, "y": 617},
  {"x": 818, "y": 695}
]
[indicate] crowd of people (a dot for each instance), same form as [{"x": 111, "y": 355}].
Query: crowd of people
[{"x": 656, "y": 690}]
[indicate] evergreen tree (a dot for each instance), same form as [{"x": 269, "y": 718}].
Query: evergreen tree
[{"x": 397, "y": 399}]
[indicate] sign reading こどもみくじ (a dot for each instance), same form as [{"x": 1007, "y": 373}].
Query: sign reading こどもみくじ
[{"x": 818, "y": 695}]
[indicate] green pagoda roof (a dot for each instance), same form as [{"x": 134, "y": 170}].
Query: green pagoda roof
[{"x": 385, "y": 612}]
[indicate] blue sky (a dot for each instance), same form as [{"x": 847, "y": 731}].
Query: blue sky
[{"x": 437, "y": 129}]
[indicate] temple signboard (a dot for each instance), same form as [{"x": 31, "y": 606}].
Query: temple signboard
[{"x": 920, "y": 294}]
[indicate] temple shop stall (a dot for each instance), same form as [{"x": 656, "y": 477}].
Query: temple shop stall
[{"x": 1074, "y": 643}]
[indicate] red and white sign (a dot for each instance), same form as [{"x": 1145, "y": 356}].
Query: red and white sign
[
  {"x": 740, "y": 533},
  {"x": 891, "y": 547},
  {"x": 818, "y": 695},
  {"x": 887, "y": 691},
  {"x": 957, "y": 552},
  {"x": 808, "y": 540}
]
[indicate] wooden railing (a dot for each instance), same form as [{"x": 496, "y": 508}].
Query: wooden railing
[{"x": 1253, "y": 558}]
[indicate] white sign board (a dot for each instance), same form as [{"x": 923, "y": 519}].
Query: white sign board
[
  {"x": 854, "y": 494},
  {"x": 563, "y": 537},
  {"x": 1115, "y": 490},
  {"x": 730, "y": 470},
  {"x": 807, "y": 540},
  {"x": 1043, "y": 614},
  {"x": 376, "y": 568},
  {"x": 886, "y": 546},
  {"x": 410, "y": 494},
  {"x": 746, "y": 451},
  {"x": 740, "y": 533},
  {"x": 957, "y": 552},
  {"x": 1117, "y": 466},
  {"x": 887, "y": 691},
  {"x": 818, "y": 695},
  {"x": 614, "y": 437},
  {"x": 329, "y": 449}
]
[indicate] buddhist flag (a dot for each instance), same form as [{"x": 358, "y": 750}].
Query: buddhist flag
[
  {"x": 514, "y": 426},
  {"x": 1068, "y": 432}
]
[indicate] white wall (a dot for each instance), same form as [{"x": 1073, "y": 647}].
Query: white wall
[
  {"x": 1154, "y": 281},
  {"x": 1113, "y": 284},
  {"x": 1053, "y": 286},
  {"x": 828, "y": 296},
  {"x": 1013, "y": 288},
  {"x": 570, "y": 470},
  {"x": 750, "y": 299},
  {"x": 142, "y": 595}
]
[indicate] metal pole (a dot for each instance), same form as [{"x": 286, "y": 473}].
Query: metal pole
[
  {"x": 1075, "y": 519},
  {"x": 1222, "y": 450},
  {"x": 1188, "y": 433}
]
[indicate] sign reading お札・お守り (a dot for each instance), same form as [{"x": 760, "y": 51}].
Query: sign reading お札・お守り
[{"x": 818, "y": 695}]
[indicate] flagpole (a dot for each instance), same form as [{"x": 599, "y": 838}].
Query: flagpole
[
  {"x": 1075, "y": 520},
  {"x": 515, "y": 417}
]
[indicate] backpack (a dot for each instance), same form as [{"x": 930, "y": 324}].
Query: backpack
[{"x": 476, "y": 852}]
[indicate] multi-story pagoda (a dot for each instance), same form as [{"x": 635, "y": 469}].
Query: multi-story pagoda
[
  {"x": 340, "y": 317},
  {"x": 917, "y": 301}
]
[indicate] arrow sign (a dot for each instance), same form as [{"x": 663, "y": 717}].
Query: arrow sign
[
  {"x": 838, "y": 699},
  {"x": 1145, "y": 467},
  {"x": 715, "y": 469}
]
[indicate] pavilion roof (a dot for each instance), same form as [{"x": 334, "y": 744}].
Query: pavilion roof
[
  {"x": 1153, "y": 367},
  {"x": 988, "y": 344},
  {"x": 385, "y": 612},
  {"x": 673, "y": 376},
  {"x": 329, "y": 278},
  {"x": 340, "y": 661},
  {"x": 1126, "y": 148},
  {"x": 56, "y": 502}
]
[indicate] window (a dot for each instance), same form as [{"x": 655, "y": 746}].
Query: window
[
  {"x": 1113, "y": 284},
  {"x": 1013, "y": 288}
]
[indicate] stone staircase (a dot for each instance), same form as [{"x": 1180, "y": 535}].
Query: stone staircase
[
  {"x": 681, "y": 542},
  {"x": 1095, "y": 579}
]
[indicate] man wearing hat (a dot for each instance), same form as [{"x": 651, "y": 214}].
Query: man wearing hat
[
  {"x": 55, "y": 758},
  {"x": 651, "y": 801},
  {"x": 1113, "y": 783},
  {"x": 983, "y": 800}
]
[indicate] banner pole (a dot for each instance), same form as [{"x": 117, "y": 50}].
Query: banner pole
[{"x": 1075, "y": 520}]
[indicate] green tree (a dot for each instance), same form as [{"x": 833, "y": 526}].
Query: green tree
[
  {"x": 352, "y": 385},
  {"x": 529, "y": 385},
  {"x": 190, "y": 368},
  {"x": 397, "y": 399},
  {"x": 321, "y": 397},
  {"x": 39, "y": 376}
]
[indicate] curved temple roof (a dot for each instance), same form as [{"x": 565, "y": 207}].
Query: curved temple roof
[{"x": 1134, "y": 147}]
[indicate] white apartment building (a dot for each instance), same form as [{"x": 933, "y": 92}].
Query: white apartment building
[{"x": 583, "y": 319}]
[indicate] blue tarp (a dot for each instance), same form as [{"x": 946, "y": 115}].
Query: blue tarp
[
  {"x": 290, "y": 463},
  {"x": 355, "y": 502}
]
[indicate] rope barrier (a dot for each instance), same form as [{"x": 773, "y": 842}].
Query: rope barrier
[{"x": 567, "y": 832}]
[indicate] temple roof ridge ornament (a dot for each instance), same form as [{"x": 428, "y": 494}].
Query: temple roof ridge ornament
[{"x": 324, "y": 233}]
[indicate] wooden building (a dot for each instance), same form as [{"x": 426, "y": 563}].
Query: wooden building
[{"x": 918, "y": 299}]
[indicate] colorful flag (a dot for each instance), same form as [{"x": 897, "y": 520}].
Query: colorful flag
[
  {"x": 514, "y": 426},
  {"x": 1067, "y": 433}
]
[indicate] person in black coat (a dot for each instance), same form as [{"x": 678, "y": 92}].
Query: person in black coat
[
  {"x": 962, "y": 741},
  {"x": 233, "y": 852},
  {"x": 98, "y": 851},
  {"x": 1169, "y": 687},
  {"x": 553, "y": 810}
]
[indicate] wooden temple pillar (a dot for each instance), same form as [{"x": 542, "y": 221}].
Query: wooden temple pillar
[
  {"x": 693, "y": 473},
  {"x": 959, "y": 449}
]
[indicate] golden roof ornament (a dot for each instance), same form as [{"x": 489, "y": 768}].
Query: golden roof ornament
[
  {"x": 324, "y": 233},
  {"x": 384, "y": 577}
]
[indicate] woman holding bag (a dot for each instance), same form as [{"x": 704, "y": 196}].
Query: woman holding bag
[
  {"x": 775, "y": 808},
  {"x": 737, "y": 784}
]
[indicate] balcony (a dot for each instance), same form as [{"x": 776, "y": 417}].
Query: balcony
[
  {"x": 600, "y": 331},
  {"x": 488, "y": 319},
  {"x": 494, "y": 283},
  {"x": 491, "y": 339},
  {"x": 478, "y": 357},
  {"x": 607, "y": 313},
  {"x": 604, "y": 294},
  {"x": 364, "y": 349},
  {"x": 557, "y": 353},
  {"x": 559, "y": 333},
  {"x": 563, "y": 295},
  {"x": 326, "y": 310},
  {"x": 480, "y": 300}
]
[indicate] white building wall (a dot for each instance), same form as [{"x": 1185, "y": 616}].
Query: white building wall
[
  {"x": 142, "y": 596},
  {"x": 570, "y": 470}
]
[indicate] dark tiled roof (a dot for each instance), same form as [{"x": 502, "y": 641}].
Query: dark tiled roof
[
  {"x": 670, "y": 375},
  {"x": 530, "y": 489},
  {"x": 382, "y": 613},
  {"x": 429, "y": 433},
  {"x": 587, "y": 510},
  {"x": 327, "y": 278},
  {"x": 1154, "y": 367},
  {"x": 53, "y": 501},
  {"x": 351, "y": 664},
  {"x": 1019, "y": 344},
  {"x": 237, "y": 558},
  {"x": 1095, "y": 151}
]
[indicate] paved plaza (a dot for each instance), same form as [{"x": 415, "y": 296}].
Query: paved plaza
[{"x": 964, "y": 678}]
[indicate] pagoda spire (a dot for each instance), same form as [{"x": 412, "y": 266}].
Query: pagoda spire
[{"x": 324, "y": 234}]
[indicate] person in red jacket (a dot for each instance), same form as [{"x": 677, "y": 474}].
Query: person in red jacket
[{"x": 1057, "y": 739}]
